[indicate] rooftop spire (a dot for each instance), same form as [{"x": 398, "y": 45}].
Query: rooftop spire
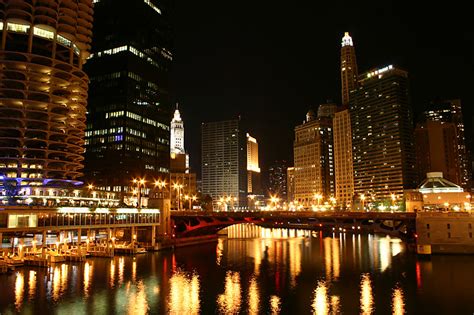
[{"x": 347, "y": 40}]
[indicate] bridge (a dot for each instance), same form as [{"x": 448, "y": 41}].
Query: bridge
[{"x": 198, "y": 223}]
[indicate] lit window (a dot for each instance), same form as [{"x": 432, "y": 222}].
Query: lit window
[
  {"x": 43, "y": 33},
  {"x": 20, "y": 28}
]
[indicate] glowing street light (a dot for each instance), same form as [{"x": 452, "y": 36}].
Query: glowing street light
[
  {"x": 178, "y": 187},
  {"x": 318, "y": 197}
]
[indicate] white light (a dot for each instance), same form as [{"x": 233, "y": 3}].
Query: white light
[{"x": 347, "y": 40}]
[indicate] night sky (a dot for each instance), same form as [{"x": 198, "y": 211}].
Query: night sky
[{"x": 270, "y": 63}]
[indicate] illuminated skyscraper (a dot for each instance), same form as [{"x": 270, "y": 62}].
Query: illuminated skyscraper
[
  {"x": 224, "y": 163},
  {"x": 313, "y": 157},
  {"x": 382, "y": 135},
  {"x": 344, "y": 171},
  {"x": 253, "y": 168},
  {"x": 177, "y": 133},
  {"x": 349, "y": 72},
  {"x": 43, "y": 93},
  {"x": 449, "y": 111},
  {"x": 129, "y": 113}
]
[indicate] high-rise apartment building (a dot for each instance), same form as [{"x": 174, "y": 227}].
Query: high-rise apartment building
[
  {"x": 277, "y": 175},
  {"x": 43, "y": 93},
  {"x": 382, "y": 135},
  {"x": 128, "y": 122},
  {"x": 224, "y": 163},
  {"x": 313, "y": 157},
  {"x": 344, "y": 172},
  {"x": 436, "y": 150},
  {"x": 254, "y": 186},
  {"x": 450, "y": 111}
]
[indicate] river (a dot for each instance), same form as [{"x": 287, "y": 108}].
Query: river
[{"x": 252, "y": 270}]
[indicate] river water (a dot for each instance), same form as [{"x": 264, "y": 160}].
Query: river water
[{"x": 252, "y": 270}]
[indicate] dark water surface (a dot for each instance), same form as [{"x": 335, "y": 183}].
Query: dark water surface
[{"x": 254, "y": 270}]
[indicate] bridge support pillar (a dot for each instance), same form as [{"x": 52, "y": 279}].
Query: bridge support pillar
[
  {"x": 43, "y": 244},
  {"x": 153, "y": 235},
  {"x": 133, "y": 235},
  {"x": 164, "y": 229},
  {"x": 79, "y": 236}
]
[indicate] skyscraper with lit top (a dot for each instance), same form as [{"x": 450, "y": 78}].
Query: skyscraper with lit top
[{"x": 344, "y": 173}]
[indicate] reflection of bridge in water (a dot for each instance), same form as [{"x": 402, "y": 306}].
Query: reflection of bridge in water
[{"x": 191, "y": 223}]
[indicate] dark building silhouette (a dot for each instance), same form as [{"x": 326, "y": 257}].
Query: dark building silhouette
[
  {"x": 224, "y": 163},
  {"x": 129, "y": 112},
  {"x": 277, "y": 175}
]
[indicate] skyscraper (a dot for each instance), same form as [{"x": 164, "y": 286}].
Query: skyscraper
[
  {"x": 382, "y": 135},
  {"x": 450, "y": 111},
  {"x": 43, "y": 93},
  {"x": 224, "y": 163},
  {"x": 313, "y": 157},
  {"x": 253, "y": 168},
  {"x": 349, "y": 72},
  {"x": 128, "y": 123},
  {"x": 344, "y": 172},
  {"x": 277, "y": 174}
]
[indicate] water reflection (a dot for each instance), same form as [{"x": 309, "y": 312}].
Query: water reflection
[
  {"x": 19, "y": 289},
  {"x": 31, "y": 284},
  {"x": 137, "y": 303},
  {"x": 320, "y": 300},
  {"x": 275, "y": 304},
  {"x": 366, "y": 295},
  {"x": 229, "y": 301},
  {"x": 112, "y": 273},
  {"x": 254, "y": 297},
  {"x": 87, "y": 278},
  {"x": 184, "y": 293},
  {"x": 323, "y": 303},
  {"x": 332, "y": 257},
  {"x": 398, "y": 304}
]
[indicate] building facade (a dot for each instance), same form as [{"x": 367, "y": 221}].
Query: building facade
[
  {"x": 290, "y": 182},
  {"x": 128, "y": 122},
  {"x": 450, "y": 111},
  {"x": 437, "y": 150},
  {"x": 224, "y": 163},
  {"x": 43, "y": 94},
  {"x": 254, "y": 186},
  {"x": 313, "y": 157},
  {"x": 382, "y": 136},
  {"x": 344, "y": 171},
  {"x": 277, "y": 176}
]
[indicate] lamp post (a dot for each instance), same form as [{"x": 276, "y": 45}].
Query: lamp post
[
  {"x": 139, "y": 182},
  {"x": 318, "y": 197}
]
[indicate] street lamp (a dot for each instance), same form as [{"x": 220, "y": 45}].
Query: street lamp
[
  {"x": 318, "y": 197},
  {"x": 333, "y": 201},
  {"x": 274, "y": 200},
  {"x": 139, "y": 182}
]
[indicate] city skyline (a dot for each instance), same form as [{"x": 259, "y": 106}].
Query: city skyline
[{"x": 249, "y": 73}]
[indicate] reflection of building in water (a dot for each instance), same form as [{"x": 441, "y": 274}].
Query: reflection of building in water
[
  {"x": 366, "y": 295},
  {"x": 184, "y": 294},
  {"x": 229, "y": 301},
  {"x": 31, "y": 284},
  {"x": 137, "y": 301}
]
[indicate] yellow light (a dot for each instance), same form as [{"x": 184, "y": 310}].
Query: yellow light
[{"x": 90, "y": 186}]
